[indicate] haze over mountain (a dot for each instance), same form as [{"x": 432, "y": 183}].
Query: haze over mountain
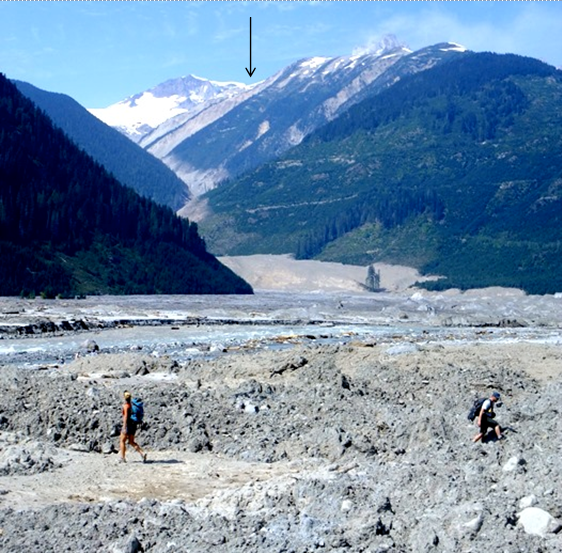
[
  {"x": 221, "y": 138},
  {"x": 455, "y": 170}
]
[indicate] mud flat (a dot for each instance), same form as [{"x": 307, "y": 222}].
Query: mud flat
[{"x": 356, "y": 447}]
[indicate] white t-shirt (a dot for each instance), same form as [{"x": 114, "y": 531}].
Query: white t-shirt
[{"x": 488, "y": 406}]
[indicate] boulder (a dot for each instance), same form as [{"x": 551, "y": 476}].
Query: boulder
[
  {"x": 134, "y": 546},
  {"x": 513, "y": 463},
  {"x": 537, "y": 522},
  {"x": 90, "y": 346},
  {"x": 528, "y": 501}
]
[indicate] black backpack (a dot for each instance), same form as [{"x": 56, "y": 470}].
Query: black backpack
[
  {"x": 137, "y": 410},
  {"x": 475, "y": 409}
]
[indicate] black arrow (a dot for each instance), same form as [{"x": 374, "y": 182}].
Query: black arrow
[{"x": 252, "y": 70}]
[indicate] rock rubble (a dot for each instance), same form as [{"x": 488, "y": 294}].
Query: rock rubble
[{"x": 350, "y": 448}]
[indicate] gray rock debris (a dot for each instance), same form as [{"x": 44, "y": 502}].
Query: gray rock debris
[{"x": 395, "y": 467}]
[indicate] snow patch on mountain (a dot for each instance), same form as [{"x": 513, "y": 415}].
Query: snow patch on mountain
[
  {"x": 263, "y": 128},
  {"x": 454, "y": 47},
  {"x": 140, "y": 114},
  {"x": 295, "y": 135},
  {"x": 313, "y": 63},
  {"x": 135, "y": 116},
  {"x": 161, "y": 141}
]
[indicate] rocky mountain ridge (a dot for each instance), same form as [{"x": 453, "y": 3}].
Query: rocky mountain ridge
[
  {"x": 223, "y": 137},
  {"x": 141, "y": 113},
  {"x": 453, "y": 170}
]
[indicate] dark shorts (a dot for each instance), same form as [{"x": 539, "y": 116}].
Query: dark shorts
[
  {"x": 487, "y": 423},
  {"x": 131, "y": 428}
]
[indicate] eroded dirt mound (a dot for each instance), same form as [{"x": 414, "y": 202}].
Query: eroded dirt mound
[{"x": 346, "y": 448}]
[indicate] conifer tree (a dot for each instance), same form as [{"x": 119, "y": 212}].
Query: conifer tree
[{"x": 373, "y": 281}]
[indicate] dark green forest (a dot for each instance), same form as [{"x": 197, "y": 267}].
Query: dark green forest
[
  {"x": 456, "y": 170},
  {"x": 127, "y": 161},
  {"x": 67, "y": 227}
]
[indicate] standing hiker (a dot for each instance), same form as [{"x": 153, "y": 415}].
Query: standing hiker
[
  {"x": 486, "y": 418},
  {"x": 129, "y": 429}
]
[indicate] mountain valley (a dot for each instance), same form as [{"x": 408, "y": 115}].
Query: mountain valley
[
  {"x": 214, "y": 141},
  {"x": 442, "y": 159}
]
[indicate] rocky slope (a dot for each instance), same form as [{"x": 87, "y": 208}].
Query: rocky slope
[
  {"x": 209, "y": 132},
  {"x": 140, "y": 114},
  {"x": 238, "y": 134},
  {"x": 358, "y": 447}
]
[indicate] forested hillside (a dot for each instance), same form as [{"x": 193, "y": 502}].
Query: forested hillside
[
  {"x": 68, "y": 227},
  {"x": 228, "y": 138},
  {"x": 128, "y": 162},
  {"x": 456, "y": 170}
]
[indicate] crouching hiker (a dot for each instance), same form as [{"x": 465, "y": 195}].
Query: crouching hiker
[
  {"x": 132, "y": 417},
  {"x": 486, "y": 418}
]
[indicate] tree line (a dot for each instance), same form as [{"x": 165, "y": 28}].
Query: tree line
[{"x": 57, "y": 203}]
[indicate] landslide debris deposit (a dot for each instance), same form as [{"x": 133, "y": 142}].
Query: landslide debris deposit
[{"x": 357, "y": 447}]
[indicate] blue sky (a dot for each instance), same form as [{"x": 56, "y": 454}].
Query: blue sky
[{"x": 101, "y": 52}]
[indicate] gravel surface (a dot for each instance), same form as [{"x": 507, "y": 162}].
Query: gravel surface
[
  {"x": 349, "y": 434},
  {"x": 360, "y": 447}
]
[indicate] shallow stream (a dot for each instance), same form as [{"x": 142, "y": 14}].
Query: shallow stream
[{"x": 184, "y": 327}]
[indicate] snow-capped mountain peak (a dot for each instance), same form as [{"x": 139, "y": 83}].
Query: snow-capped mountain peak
[
  {"x": 208, "y": 131},
  {"x": 137, "y": 115}
]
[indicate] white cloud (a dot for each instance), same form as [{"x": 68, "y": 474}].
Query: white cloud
[
  {"x": 376, "y": 44},
  {"x": 527, "y": 30}
]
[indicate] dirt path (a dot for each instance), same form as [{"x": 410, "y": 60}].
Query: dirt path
[{"x": 167, "y": 475}]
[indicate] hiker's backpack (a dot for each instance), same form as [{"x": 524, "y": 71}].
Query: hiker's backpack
[
  {"x": 476, "y": 407},
  {"x": 137, "y": 410}
]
